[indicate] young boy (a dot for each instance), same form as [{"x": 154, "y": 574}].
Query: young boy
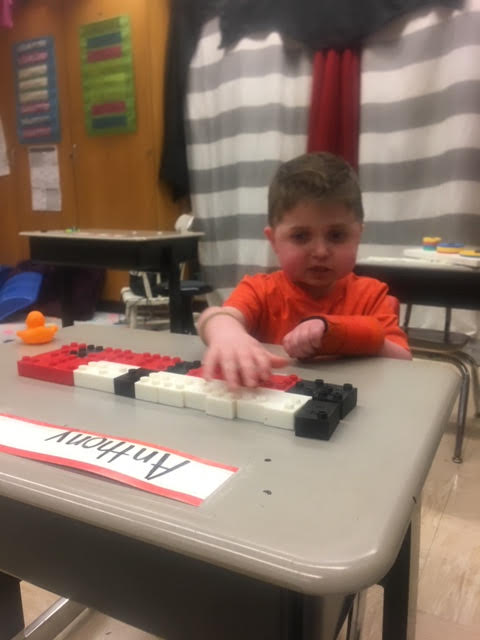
[{"x": 314, "y": 305}]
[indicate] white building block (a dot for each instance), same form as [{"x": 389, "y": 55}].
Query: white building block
[
  {"x": 195, "y": 393},
  {"x": 251, "y": 404},
  {"x": 269, "y": 406},
  {"x": 147, "y": 388},
  {"x": 162, "y": 387},
  {"x": 281, "y": 407},
  {"x": 99, "y": 375},
  {"x": 171, "y": 389},
  {"x": 220, "y": 401}
]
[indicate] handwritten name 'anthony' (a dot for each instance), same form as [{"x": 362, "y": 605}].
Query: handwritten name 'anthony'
[{"x": 157, "y": 460}]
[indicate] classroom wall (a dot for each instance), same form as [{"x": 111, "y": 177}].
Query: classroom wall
[{"x": 106, "y": 181}]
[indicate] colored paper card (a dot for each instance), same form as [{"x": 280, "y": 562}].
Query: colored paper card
[
  {"x": 144, "y": 466},
  {"x": 36, "y": 91},
  {"x": 107, "y": 76}
]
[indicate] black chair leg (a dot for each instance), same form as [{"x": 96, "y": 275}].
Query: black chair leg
[{"x": 187, "y": 323}]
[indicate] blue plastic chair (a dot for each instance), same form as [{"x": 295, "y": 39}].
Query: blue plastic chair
[
  {"x": 19, "y": 292},
  {"x": 4, "y": 273}
]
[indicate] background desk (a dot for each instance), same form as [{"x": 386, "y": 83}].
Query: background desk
[
  {"x": 262, "y": 558},
  {"x": 415, "y": 282},
  {"x": 117, "y": 249}
]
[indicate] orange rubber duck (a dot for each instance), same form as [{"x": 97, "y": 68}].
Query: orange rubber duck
[{"x": 37, "y": 332}]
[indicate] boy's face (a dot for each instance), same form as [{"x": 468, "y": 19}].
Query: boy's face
[{"x": 316, "y": 244}]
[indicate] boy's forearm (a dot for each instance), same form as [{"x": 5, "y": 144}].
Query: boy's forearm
[
  {"x": 218, "y": 319},
  {"x": 392, "y": 350}
]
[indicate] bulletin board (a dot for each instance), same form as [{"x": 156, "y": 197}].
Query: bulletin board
[
  {"x": 36, "y": 91},
  {"x": 107, "y": 76}
]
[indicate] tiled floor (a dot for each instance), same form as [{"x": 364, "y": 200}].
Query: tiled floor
[{"x": 449, "y": 582}]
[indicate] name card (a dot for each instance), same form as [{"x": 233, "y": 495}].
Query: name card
[{"x": 145, "y": 466}]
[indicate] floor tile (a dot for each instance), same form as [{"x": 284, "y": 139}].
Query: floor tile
[
  {"x": 35, "y": 601},
  {"x": 436, "y": 628},
  {"x": 95, "y": 626}
]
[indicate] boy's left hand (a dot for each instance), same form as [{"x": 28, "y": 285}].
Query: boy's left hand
[{"x": 305, "y": 340}]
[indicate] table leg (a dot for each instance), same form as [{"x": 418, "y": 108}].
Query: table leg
[
  {"x": 175, "y": 305},
  {"x": 66, "y": 293},
  {"x": 400, "y": 586},
  {"x": 11, "y": 611}
]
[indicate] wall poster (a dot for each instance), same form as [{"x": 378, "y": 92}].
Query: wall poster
[
  {"x": 36, "y": 91},
  {"x": 107, "y": 76}
]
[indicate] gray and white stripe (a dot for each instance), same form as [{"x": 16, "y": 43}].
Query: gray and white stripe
[
  {"x": 420, "y": 128},
  {"x": 246, "y": 111}
]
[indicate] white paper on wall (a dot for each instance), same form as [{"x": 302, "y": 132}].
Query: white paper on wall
[{"x": 45, "y": 178}]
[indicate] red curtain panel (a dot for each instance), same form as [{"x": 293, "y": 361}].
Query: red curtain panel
[{"x": 335, "y": 105}]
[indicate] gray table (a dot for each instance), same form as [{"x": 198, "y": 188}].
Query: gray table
[
  {"x": 118, "y": 249},
  {"x": 273, "y": 552},
  {"x": 424, "y": 283}
]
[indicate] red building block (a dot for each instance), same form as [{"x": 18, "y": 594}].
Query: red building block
[
  {"x": 278, "y": 382},
  {"x": 58, "y": 365}
]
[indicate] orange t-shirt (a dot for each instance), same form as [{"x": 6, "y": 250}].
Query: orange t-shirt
[{"x": 358, "y": 314}]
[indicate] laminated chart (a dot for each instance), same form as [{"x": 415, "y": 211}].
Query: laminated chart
[
  {"x": 36, "y": 91},
  {"x": 107, "y": 76}
]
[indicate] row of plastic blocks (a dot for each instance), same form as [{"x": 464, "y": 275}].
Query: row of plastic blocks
[
  {"x": 269, "y": 406},
  {"x": 308, "y": 416},
  {"x": 58, "y": 366}
]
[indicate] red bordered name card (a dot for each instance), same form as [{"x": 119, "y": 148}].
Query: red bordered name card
[{"x": 145, "y": 466}]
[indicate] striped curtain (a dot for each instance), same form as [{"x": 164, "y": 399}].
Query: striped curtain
[
  {"x": 420, "y": 128},
  {"x": 420, "y": 132},
  {"x": 246, "y": 111}
]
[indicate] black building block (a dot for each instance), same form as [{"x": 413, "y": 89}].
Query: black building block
[
  {"x": 184, "y": 367},
  {"x": 125, "y": 385},
  {"x": 317, "y": 419},
  {"x": 344, "y": 395}
]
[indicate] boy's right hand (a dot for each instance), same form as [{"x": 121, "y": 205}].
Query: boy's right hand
[{"x": 242, "y": 360}]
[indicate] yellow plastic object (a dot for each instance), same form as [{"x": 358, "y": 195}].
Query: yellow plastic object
[
  {"x": 448, "y": 250},
  {"x": 470, "y": 253},
  {"x": 37, "y": 332},
  {"x": 431, "y": 241}
]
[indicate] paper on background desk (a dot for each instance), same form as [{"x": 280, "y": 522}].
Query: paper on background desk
[
  {"x": 4, "y": 166},
  {"x": 166, "y": 472},
  {"x": 45, "y": 178}
]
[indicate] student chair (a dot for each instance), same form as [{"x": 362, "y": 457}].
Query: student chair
[
  {"x": 157, "y": 298},
  {"x": 189, "y": 289},
  {"x": 142, "y": 302},
  {"x": 446, "y": 346}
]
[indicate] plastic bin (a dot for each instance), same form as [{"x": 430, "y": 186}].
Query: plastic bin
[{"x": 19, "y": 292}]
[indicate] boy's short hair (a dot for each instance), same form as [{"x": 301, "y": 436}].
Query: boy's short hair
[{"x": 317, "y": 177}]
